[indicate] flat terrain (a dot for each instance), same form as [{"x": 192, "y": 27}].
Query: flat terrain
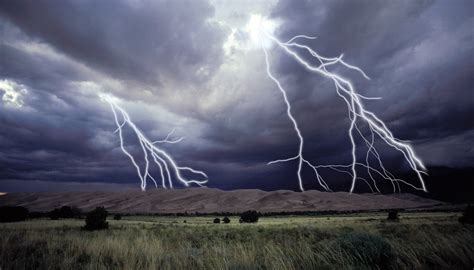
[
  {"x": 207, "y": 200},
  {"x": 429, "y": 240}
]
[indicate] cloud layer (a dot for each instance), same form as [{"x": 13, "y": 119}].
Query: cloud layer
[{"x": 190, "y": 65}]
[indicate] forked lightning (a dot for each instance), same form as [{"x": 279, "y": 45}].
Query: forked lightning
[
  {"x": 357, "y": 115},
  {"x": 152, "y": 154}
]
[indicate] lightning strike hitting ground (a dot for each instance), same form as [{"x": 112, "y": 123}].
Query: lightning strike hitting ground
[
  {"x": 168, "y": 168},
  {"x": 357, "y": 114}
]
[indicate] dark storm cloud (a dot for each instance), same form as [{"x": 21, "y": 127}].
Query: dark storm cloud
[
  {"x": 53, "y": 48},
  {"x": 51, "y": 139},
  {"x": 419, "y": 55},
  {"x": 131, "y": 40}
]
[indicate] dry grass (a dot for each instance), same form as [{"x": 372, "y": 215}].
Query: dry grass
[{"x": 423, "y": 241}]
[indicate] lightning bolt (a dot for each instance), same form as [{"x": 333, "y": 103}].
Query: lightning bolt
[
  {"x": 357, "y": 114},
  {"x": 152, "y": 154}
]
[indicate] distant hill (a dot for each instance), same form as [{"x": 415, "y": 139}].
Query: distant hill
[{"x": 208, "y": 200}]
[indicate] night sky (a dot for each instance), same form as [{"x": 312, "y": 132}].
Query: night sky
[{"x": 192, "y": 66}]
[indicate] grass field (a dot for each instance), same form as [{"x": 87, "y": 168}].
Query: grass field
[{"x": 362, "y": 241}]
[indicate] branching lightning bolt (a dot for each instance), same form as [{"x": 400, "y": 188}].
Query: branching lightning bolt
[
  {"x": 356, "y": 112},
  {"x": 152, "y": 154}
]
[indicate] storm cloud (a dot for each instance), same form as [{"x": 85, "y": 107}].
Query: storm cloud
[{"x": 188, "y": 65}]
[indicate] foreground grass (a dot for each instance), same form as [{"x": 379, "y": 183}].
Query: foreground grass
[{"x": 419, "y": 240}]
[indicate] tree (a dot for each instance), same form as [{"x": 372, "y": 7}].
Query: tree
[
  {"x": 217, "y": 220},
  {"x": 392, "y": 215},
  {"x": 468, "y": 215},
  {"x": 249, "y": 217},
  {"x": 95, "y": 219},
  {"x": 226, "y": 220},
  {"x": 13, "y": 213}
]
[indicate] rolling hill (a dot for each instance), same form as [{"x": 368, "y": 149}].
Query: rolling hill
[{"x": 208, "y": 200}]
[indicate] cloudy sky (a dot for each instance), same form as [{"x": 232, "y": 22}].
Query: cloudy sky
[{"x": 194, "y": 66}]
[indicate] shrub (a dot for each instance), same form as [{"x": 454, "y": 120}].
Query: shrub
[
  {"x": 54, "y": 215},
  {"x": 366, "y": 249},
  {"x": 76, "y": 212},
  {"x": 217, "y": 220},
  {"x": 392, "y": 215},
  {"x": 13, "y": 213},
  {"x": 117, "y": 217},
  {"x": 36, "y": 214},
  {"x": 249, "y": 217},
  {"x": 95, "y": 219},
  {"x": 468, "y": 215},
  {"x": 66, "y": 212},
  {"x": 226, "y": 220}
]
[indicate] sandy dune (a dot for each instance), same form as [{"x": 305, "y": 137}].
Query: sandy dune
[{"x": 207, "y": 200}]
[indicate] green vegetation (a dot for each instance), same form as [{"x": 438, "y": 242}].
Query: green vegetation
[
  {"x": 249, "y": 217},
  {"x": 13, "y": 213},
  {"x": 392, "y": 215},
  {"x": 368, "y": 249},
  {"x": 468, "y": 215},
  {"x": 359, "y": 241},
  {"x": 65, "y": 212},
  {"x": 96, "y": 219}
]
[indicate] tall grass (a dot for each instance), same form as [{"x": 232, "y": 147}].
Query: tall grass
[{"x": 44, "y": 244}]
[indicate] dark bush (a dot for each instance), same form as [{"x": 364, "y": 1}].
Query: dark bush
[
  {"x": 117, "y": 217},
  {"x": 392, "y": 215},
  {"x": 76, "y": 212},
  {"x": 366, "y": 249},
  {"x": 54, "y": 215},
  {"x": 38, "y": 214},
  {"x": 66, "y": 212},
  {"x": 95, "y": 219},
  {"x": 13, "y": 213},
  {"x": 468, "y": 215},
  {"x": 217, "y": 220},
  {"x": 249, "y": 217},
  {"x": 226, "y": 220}
]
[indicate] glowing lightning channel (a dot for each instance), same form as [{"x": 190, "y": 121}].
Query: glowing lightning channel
[
  {"x": 357, "y": 113},
  {"x": 165, "y": 163}
]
